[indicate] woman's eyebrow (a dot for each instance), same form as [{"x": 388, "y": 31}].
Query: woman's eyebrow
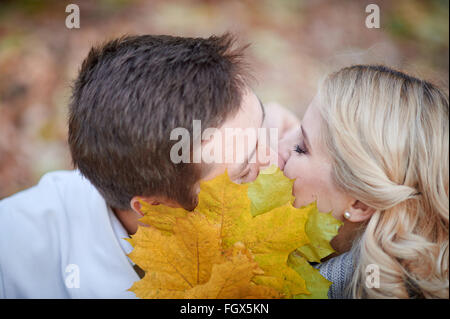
[{"x": 305, "y": 136}]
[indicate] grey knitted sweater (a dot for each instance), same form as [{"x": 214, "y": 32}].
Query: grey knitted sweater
[{"x": 339, "y": 270}]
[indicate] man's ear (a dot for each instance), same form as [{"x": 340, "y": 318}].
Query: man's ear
[
  {"x": 360, "y": 212},
  {"x": 135, "y": 203}
]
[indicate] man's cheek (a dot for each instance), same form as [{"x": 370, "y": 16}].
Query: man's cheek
[{"x": 290, "y": 170}]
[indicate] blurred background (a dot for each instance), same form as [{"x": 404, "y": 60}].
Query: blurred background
[{"x": 293, "y": 44}]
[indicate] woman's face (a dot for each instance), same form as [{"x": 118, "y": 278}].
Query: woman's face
[{"x": 307, "y": 162}]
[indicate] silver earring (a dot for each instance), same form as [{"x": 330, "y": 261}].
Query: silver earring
[{"x": 347, "y": 215}]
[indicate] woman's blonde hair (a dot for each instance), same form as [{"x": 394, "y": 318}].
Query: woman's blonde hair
[{"x": 388, "y": 136}]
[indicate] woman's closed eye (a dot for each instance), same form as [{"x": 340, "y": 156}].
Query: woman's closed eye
[{"x": 299, "y": 149}]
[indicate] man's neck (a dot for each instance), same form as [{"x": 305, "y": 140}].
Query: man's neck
[{"x": 129, "y": 220}]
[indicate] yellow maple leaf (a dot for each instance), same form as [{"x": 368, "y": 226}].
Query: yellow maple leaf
[
  {"x": 233, "y": 279},
  {"x": 270, "y": 190},
  {"x": 236, "y": 244},
  {"x": 191, "y": 264},
  {"x": 270, "y": 237},
  {"x": 317, "y": 284},
  {"x": 320, "y": 229},
  {"x": 271, "y": 187},
  {"x": 160, "y": 216}
]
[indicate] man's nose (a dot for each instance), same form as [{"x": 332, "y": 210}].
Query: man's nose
[
  {"x": 281, "y": 161},
  {"x": 284, "y": 150},
  {"x": 272, "y": 158},
  {"x": 285, "y": 146}
]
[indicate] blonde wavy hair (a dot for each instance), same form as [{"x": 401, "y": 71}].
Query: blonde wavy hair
[{"x": 388, "y": 136}]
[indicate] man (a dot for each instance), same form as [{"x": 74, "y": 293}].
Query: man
[{"x": 63, "y": 238}]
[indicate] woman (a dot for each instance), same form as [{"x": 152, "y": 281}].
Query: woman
[{"x": 373, "y": 148}]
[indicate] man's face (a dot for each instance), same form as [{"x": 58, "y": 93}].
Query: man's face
[{"x": 241, "y": 155}]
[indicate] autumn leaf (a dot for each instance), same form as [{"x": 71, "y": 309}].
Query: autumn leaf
[
  {"x": 270, "y": 237},
  {"x": 191, "y": 263},
  {"x": 271, "y": 189},
  {"x": 187, "y": 254},
  {"x": 226, "y": 204},
  {"x": 160, "y": 216},
  {"x": 232, "y": 279},
  {"x": 173, "y": 264},
  {"x": 320, "y": 229},
  {"x": 317, "y": 284}
]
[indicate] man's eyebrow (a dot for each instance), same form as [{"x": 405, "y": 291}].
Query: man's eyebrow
[
  {"x": 263, "y": 110},
  {"x": 305, "y": 136}
]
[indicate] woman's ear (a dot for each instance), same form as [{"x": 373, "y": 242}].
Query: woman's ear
[{"x": 359, "y": 212}]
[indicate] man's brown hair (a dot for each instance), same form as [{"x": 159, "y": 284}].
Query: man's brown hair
[{"x": 129, "y": 95}]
